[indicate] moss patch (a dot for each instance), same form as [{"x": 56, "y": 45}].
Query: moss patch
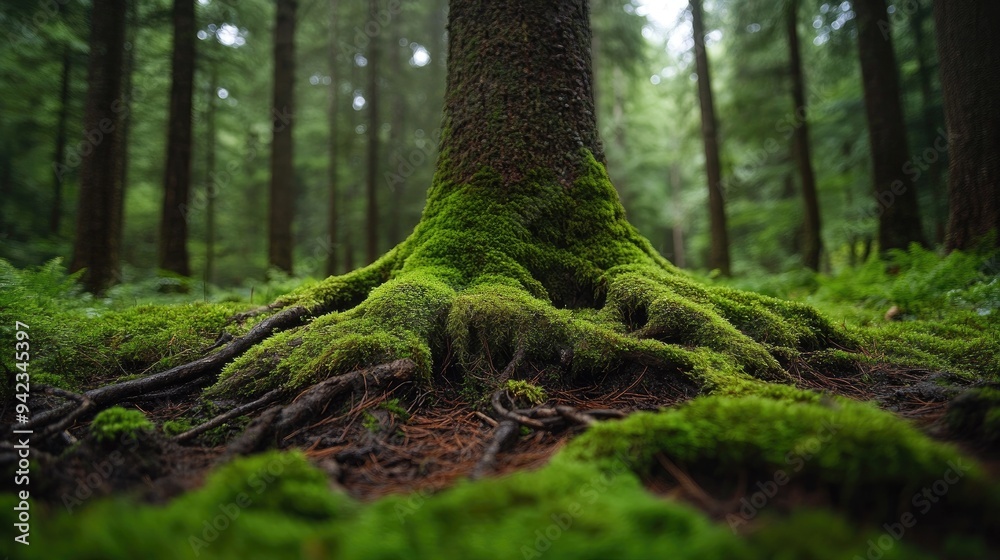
[{"x": 117, "y": 422}]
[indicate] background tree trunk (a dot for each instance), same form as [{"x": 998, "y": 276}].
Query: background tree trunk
[
  {"x": 719, "y": 255},
  {"x": 55, "y": 218},
  {"x": 931, "y": 119},
  {"x": 396, "y": 138},
  {"x": 371, "y": 189},
  {"x": 177, "y": 185},
  {"x": 812, "y": 240},
  {"x": 895, "y": 192},
  {"x": 282, "y": 193},
  {"x": 96, "y": 247},
  {"x": 333, "y": 153},
  {"x": 969, "y": 52},
  {"x": 210, "y": 194}
]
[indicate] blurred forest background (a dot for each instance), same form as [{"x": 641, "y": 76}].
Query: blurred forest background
[{"x": 351, "y": 161}]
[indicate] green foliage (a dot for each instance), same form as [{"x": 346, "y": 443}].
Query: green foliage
[
  {"x": 117, "y": 422},
  {"x": 175, "y": 427},
  {"x": 526, "y": 391}
]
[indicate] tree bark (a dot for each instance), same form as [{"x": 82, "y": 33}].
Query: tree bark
[
  {"x": 371, "y": 187},
  {"x": 812, "y": 241},
  {"x": 96, "y": 246},
  {"x": 333, "y": 152},
  {"x": 177, "y": 184},
  {"x": 55, "y": 218},
  {"x": 519, "y": 89},
  {"x": 931, "y": 119},
  {"x": 131, "y": 29},
  {"x": 282, "y": 193},
  {"x": 894, "y": 189},
  {"x": 719, "y": 255},
  {"x": 969, "y": 52}
]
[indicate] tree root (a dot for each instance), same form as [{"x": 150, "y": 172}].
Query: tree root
[
  {"x": 111, "y": 394},
  {"x": 549, "y": 418},
  {"x": 279, "y": 422}
]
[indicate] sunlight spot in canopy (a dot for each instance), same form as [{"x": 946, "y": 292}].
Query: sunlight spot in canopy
[
  {"x": 229, "y": 35},
  {"x": 360, "y": 60},
  {"x": 654, "y": 79},
  {"x": 360, "y": 129},
  {"x": 359, "y": 101},
  {"x": 223, "y": 93},
  {"x": 204, "y": 2},
  {"x": 753, "y": 28},
  {"x": 420, "y": 56}
]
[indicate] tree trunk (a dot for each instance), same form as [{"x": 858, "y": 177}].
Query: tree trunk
[
  {"x": 131, "y": 29},
  {"x": 812, "y": 241},
  {"x": 213, "y": 95},
  {"x": 55, "y": 218},
  {"x": 333, "y": 152},
  {"x": 931, "y": 119},
  {"x": 282, "y": 194},
  {"x": 371, "y": 187},
  {"x": 177, "y": 185},
  {"x": 96, "y": 246},
  {"x": 969, "y": 51},
  {"x": 894, "y": 189},
  {"x": 719, "y": 255},
  {"x": 495, "y": 115}
]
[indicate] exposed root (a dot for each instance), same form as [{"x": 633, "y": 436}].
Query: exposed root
[
  {"x": 540, "y": 418},
  {"x": 278, "y": 422},
  {"x": 118, "y": 392},
  {"x": 237, "y": 412}
]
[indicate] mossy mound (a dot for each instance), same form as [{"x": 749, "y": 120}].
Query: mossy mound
[
  {"x": 117, "y": 422},
  {"x": 588, "y": 502}
]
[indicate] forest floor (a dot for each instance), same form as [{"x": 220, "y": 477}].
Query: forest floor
[{"x": 392, "y": 471}]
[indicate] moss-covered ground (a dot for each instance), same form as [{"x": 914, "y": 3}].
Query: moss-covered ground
[{"x": 812, "y": 423}]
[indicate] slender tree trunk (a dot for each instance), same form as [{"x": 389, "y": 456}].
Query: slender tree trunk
[
  {"x": 96, "y": 247},
  {"x": 719, "y": 255},
  {"x": 210, "y": 140},
  {"x": 894, "y": 189},
  {"x": 177, "y": 185},
  {"x": 812, "y": 241},
  {"x": 282, "y": 194},
  {"x": 131, "y": 28},
  {"x": 931, "y": 118},
  {"x": 55, "y": 219},
  {"x": 969, "y": 54},
  {"x": 371, "y": 190},
  {"x": 333, "y": 152}
]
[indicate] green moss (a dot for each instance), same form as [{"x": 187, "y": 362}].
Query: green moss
[
  {"x": 526, "y": 391},
  {"x": 870, "y": 456},
  {"x": 394, "y": 407},
  {"x": 116, "y": 422},
  {"x": 175, "y": 427}
]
